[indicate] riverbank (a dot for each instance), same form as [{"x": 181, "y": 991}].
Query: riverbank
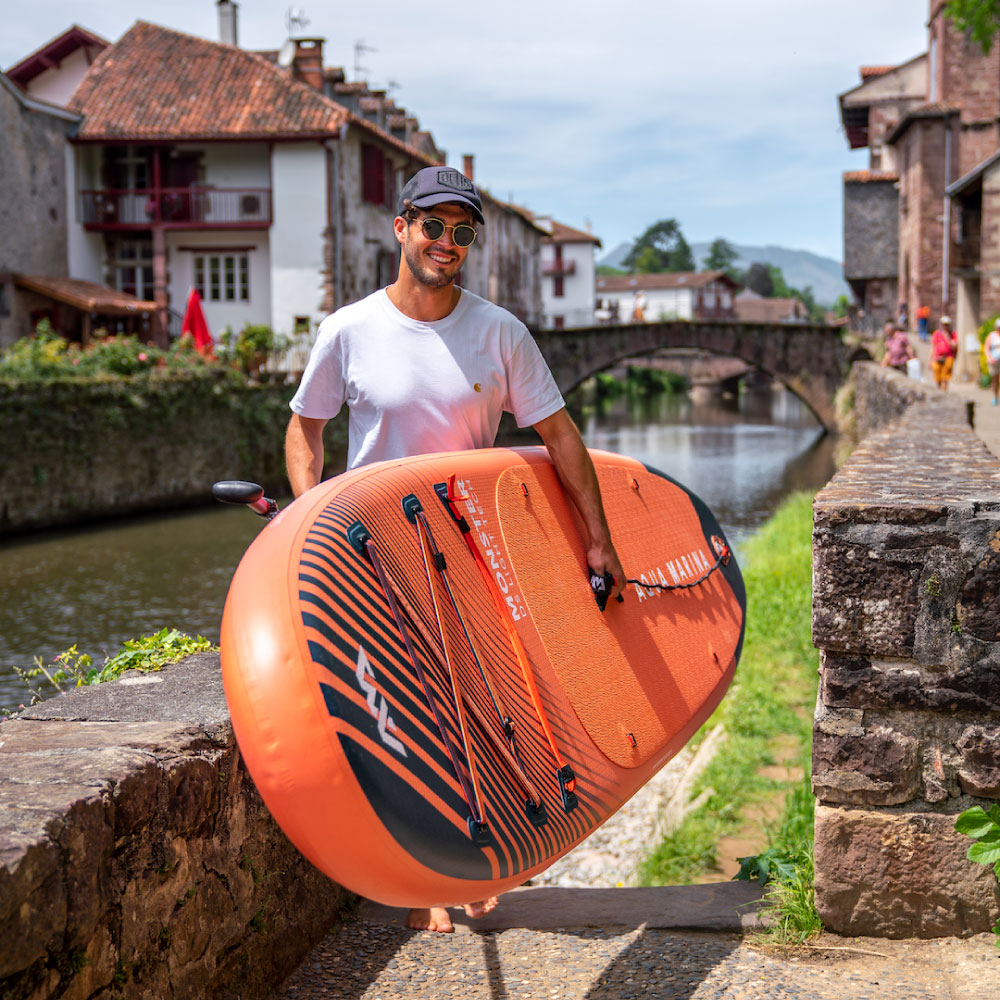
[{"x": 765, "y": 720}]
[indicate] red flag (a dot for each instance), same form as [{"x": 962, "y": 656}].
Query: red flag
[{"x": 195, "y": 325}]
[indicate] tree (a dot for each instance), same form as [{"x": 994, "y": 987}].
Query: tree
[
  {"x": 759, "y": 280},
  {"x": 722, "y": 256},
  {"x": 648, "y": 261},
  {"x": 979, "y": 18},
  {"x": 661, "y": 247},
  {"x": 780, "y": 288},
  {"x": 681, "y": 258}
]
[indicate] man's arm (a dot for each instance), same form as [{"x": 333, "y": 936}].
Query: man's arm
[
  {"x": 577, "y": 474},
  {"x": 304, "y": 452}
]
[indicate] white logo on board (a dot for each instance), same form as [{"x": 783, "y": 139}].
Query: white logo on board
[{"x": 377, "y": 704}]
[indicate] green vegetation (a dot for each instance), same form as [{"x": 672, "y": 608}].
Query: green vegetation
[
  {"x": 722, "y": 256},
  {"x": 146, "y": 654},
  {"x": 660, "y": 248},
  {"x": 979, "y": 18},
  {"x": 47, "y": 355},
  {"x": 983, "y": 825},
  {"x": 772, "y": 697}
]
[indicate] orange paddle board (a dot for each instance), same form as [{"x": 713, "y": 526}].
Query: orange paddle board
[{"x": 423, "y": 687}]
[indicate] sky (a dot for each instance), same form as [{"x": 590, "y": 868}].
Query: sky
[{"x": 720, "y": 115}]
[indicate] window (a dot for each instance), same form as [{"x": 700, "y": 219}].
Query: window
[
  {"x": 133, "y": 268},
  {"x": 301, "y": 324},
  {"x": 376, "y": 176},
  {"x": 222, "y": 277},
  {"x": 558, "y": 287},
  {"x": 558, "y": 322}
]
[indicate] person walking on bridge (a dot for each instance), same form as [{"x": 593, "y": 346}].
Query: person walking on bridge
[
  {"x": 944, "y": 350},
  {"x": 426, "y": 366},
  {"x": 898, "y": 350}
]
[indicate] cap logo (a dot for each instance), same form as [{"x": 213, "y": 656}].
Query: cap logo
[{"x": 455, "y": 179}]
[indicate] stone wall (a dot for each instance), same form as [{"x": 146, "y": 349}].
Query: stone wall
[
  {"x": 77, "y": 450},
  {"x": 33, "y": 206},
  {"x": 137, "y": 859},
  {"x": 906, "y": 615},
  {"x": 871, "y": 229}
]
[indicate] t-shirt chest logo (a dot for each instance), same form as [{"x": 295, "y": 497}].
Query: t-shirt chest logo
[{"x": 478, "y": 386}]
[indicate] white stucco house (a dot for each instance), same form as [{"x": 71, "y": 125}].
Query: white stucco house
[
  {"x": 262, "y": 179},
  {"x": 674, "y": 295},
  {"x": 568, "y": 272}
]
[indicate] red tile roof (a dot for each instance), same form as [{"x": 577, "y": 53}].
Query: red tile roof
[
  {"x": 567, "y": 234},
  {"x": 156, "y": 83},
  {"x": 652, "y": 282},
  {"x": 770, "y": 310},
  {"x": 868, "y": 72},
  {"x": 869, "y": 176}
]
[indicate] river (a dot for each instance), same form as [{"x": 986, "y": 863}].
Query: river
[{"x": 98, "y": 586}]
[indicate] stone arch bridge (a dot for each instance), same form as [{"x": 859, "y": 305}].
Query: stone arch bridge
[{"x": 811, "y": 360}]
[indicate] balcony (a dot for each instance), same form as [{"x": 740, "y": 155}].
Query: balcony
[
  {"x": 559, "y": 268},
  {"x": 176, "y": 208}
]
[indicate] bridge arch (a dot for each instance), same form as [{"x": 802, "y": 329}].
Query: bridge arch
[{"x": 811, "y": 360}]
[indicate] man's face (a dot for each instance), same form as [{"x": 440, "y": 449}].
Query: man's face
[{"x": 434, "y": 263}]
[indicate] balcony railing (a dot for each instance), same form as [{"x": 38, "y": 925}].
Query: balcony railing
[
  {"x": 559, "y": 268},
  {"x": 176, "y": 208}
]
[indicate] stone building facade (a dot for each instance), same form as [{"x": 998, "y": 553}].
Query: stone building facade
[
  {"x": 34, "y": 207},
  {"x": 930, "y": 121},
  {"x": 871, "y": 244}
]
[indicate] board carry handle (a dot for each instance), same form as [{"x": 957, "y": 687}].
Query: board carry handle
[{"x": 241, "y": 492}]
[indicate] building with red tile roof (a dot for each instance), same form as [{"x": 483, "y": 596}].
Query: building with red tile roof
[
  {"x": 568, "y": 274},
  {"x": 928, "y": 124},
  {"x": 198, "y": 164},
  {"x": 672, "y": 295}
]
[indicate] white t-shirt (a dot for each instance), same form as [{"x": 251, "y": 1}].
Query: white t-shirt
[{"x": 413, "y": 388}]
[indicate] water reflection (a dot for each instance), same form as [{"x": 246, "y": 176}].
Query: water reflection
[
  {"x": 99, "y": 586},
  {"x": 741, "y": 455}
]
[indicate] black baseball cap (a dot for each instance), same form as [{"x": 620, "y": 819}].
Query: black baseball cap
[{"x": 437, "y": 185}]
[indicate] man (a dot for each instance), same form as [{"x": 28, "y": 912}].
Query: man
[{"x": 426, "y": 366}]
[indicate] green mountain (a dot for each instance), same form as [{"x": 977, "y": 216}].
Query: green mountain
[{"x": 800, "y": 267}]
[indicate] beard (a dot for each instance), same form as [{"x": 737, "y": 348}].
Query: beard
[{"x": 425, "y": 274}]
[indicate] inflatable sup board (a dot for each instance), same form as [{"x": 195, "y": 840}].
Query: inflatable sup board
[{"x": 424, "y": 688}]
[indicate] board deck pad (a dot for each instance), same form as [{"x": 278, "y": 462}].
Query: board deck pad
[{"x": 343, "y": 734}]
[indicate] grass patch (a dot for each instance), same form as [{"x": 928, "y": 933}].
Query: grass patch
[{"x": 772, "y": 696}]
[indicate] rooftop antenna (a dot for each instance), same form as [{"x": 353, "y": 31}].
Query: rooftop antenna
[
  {"x": 296, "y": 21},
  {"x": 360, "y": 48}
]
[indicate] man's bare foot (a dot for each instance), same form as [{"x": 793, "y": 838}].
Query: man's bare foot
[
  {"x": 434, "y": 918},
  {"x": 480, "y": 909}
]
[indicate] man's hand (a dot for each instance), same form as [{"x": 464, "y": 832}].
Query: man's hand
[
  {"x": 304, "y": 453},
  {"x": 576, "y": 473}
]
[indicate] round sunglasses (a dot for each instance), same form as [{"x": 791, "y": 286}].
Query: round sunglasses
[{"x": 463, "y": 235}]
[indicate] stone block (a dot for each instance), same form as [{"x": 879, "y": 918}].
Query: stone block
[
  {"x": 854, "y": 682},
  {"x": 878, "y": 766},
  {"x": 864, "y": 600},
  {"x": 899, "y": 874},
  {"x": 979, "y": 769},
  {"x": 136, "y": 857}
]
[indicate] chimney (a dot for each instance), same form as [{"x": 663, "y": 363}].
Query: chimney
[
  {"x": 227, "y": 22},
  {"x": 307, "y": 64},
  {"x": 468, "y": 168}
]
